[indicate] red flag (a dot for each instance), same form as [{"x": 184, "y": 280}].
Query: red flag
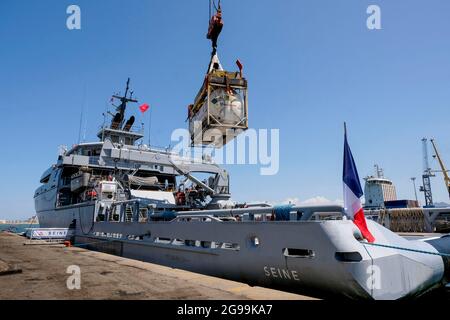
[{"x": 144, "y": 108}]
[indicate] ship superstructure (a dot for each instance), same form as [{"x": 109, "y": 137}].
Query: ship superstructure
[
  {"x": 378, "y": 189},
  {"x": 117, "y": 168}
]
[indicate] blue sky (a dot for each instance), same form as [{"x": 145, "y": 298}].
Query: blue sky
[{"x": 310, "y": 64}]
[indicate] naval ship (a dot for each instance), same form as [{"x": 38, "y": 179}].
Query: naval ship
[
  {"x": 120, "y": 196},
  {"x": 126, "y": 198}
]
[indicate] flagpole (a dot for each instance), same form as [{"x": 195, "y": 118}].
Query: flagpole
[
  {"x": 149, "y": 127},
  {"x": 353, "y": 192}
]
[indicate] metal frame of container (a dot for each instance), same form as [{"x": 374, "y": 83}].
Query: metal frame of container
[{"x": 215, "y": 80}]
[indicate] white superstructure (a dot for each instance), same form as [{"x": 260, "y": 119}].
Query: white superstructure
[{"x": 378, "y": 189}]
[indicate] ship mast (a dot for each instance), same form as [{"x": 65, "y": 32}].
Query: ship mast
[
  {"x": 118, "y": 132},
  {"x": 118, "y": 119}
]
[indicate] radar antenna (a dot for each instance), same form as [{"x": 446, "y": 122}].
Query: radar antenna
[{"x": 118, "y": 119}]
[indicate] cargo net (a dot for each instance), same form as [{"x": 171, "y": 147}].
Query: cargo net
[{"x": 402, "y": 220}]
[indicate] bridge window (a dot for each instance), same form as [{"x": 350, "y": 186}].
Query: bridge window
[{"x": 45, "y": 179}]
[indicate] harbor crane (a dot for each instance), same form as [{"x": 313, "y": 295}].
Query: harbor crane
[
  {"x": 427, "y": 174},
  {"x": 442, "y": 165}
]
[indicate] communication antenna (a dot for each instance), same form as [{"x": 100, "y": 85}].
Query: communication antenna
[
  {"x": 86, "y": 109},
  {"x": 82, "y": 136},
  {"x": 79, "y": 129},
  {"x": 149, "y": 127}
]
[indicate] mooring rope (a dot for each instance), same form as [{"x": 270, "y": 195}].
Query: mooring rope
[
  {"x": 90, "y": 243},
  {"x": 407, "y": 249}
]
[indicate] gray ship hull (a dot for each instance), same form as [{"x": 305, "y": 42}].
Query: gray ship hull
[
  {"x": 63, "y": 217},
  {"x": 319, "y": 258},
  {"x": 325, "y": 259}
]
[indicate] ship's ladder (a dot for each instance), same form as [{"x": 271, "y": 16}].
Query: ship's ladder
[{"x": 128, "y": 213}]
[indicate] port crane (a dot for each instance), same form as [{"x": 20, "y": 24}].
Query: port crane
[
  {"x": 427, "y": 174},
  {"x": 442, "y": 165}
]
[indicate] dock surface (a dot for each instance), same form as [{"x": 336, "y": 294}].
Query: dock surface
[{"x": 40, "y": 272}]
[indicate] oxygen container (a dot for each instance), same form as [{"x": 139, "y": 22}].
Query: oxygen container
[{"x": 226, "y": 107}]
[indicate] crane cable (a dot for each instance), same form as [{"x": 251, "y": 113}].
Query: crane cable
[{"x": 212, "y": 3}]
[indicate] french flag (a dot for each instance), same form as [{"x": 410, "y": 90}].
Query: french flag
[{"x": 353, "y": 193}]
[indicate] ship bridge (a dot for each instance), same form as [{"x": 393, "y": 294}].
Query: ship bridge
[{"x": 120, "y": 136}]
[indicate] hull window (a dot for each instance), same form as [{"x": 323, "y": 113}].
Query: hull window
[
  {"x": 348, "y": 256},
  {"x": 298, "y": 253}
]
